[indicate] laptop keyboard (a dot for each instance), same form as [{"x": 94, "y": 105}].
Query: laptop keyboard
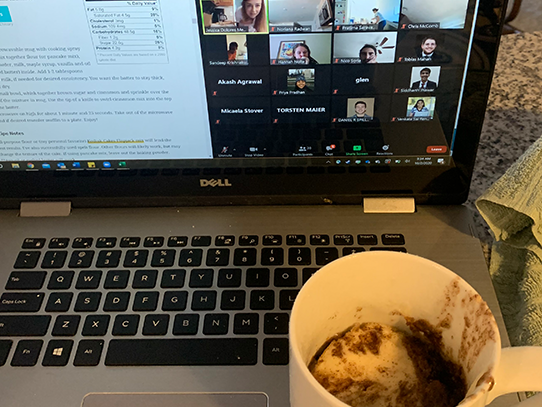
[{"x": 178, "y": 300}]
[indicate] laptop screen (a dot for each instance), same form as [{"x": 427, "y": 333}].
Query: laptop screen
[{"x": 231, "y": 83}]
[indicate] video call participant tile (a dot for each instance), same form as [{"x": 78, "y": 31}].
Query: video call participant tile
[
  {"x": 427, "y": 79},
  {"x": 444, "y": 14},
  {"x": 367, "y": 15},
  {"x": 230, "y": 81},
  {"x": 430, "y": 47},
  {"x": 414, "y": 108},
  {"x": 300, "y": 80},
  {"x": 234, "y": 16},
  {"x": 300, "y": 17},
  {"x": 227, "y": 111},
  {"x": 360, "y": 110},
  {"x": 300, "y": 49},
  {"x": 369, "y": 79},
  {"x": 235, "y": 50},
  {"x": 313, "y": 109},
  {"x": 365, "y": 48}
]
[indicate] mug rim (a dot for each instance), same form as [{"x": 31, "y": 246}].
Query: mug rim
[{"x": 483, "y": 387}]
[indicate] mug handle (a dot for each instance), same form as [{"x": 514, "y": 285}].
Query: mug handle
[{"x": 520, "y": 369}]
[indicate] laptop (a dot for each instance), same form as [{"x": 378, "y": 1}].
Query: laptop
[{"x": 172, "y": 172}]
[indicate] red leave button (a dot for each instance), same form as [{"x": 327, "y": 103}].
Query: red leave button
[{"x": 437, "y": 149}]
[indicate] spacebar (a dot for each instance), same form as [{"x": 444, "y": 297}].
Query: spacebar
[{"x": 179, "y": 352}]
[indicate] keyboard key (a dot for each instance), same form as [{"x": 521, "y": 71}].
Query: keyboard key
[
  {"x": 177, "y": 241},
  {"x": 145, "y": 301},
  {"x": 116, "y": 301},
  {"x": 54, "y": 259},
  {"x": 299, "y": 256},
  {"x": 163, "y": 258},
  {"x": 218, "y": 257},
  {"x": 367, "y": 240},
  {"x": 57, "y": 353},
  {"x": 320, "y": 240},
  {"x": 96, "y": 325},
  {"x": 325, "y": 255},
  {"x": 203, "y": 300},
  {"x": 287, "y": 298},
  {"x": 26, "y": 280},
  {"x": 27, "y": 260},
  {"x": 88, "y": 280},
  {"x": 60, "y": 280},
  {"x": 5, "y": 347},
  {"x": 351, "y": 250},
  {"x": 275, "y": 324},
  {"x": 285, "y": 277},
  {"x": 262, "y": 300},
  {"x": 272, "y": 256},
  {"x": 81, "y": 259},
  {"x": 59, "y": 302},
  {"x": 88, "y": 302},
  {"x": 130, "y": 242},
  {"x": 145, "y": 279},
  {"x": 66, "y": 325},
  {"x": 190, "y": 257},
  {"x": 59, "y": 243},
  {"x": 31, "y": 243},
  {"x": 308, "y": 272},
  {"x": 27, "y": 353},
  {"x": 136, "y": 258},
  {"x": 393, "y": 239},
  {"x": 257, "y": 277},
  {"x": 181, "y": 352},
  {"x": 21, "y": 302},
  {"x": 296, "y": 240},
  {"x": 173, "y": 278},
  {"x": 246, "y": 324},
  {"x": 232, "y": 300},
  {"x": 272, "y": 240},
  {"x": 186, "y": 324},
  {"x": 390, "y": 249},
  {"x": 153, "y": 241},
  {"x": 223, "y": 240},
  {"x": 244, "y": 257},
  {"x": 343, "y": 240},
  {"x": 174, "y": 301},
  {"x": 156, "y": 324},
  {"x": 27, "y": 325},
  {"x": 229, "y": 278},
  {"x": 117, "y": 279},
  {"x": 88, "y": 353},
  {"x": 201, "y": 241},
  {"x": 82, "y": 242},
  {"x": 106, "y": 242},
  {"x": 275, "y": 351},
  {"x": 201, "y": 278},
  {"x": 125, "y": 325},
  {"x": 248, "y": 240},
  {"x": 108, "y": 258},
  {"x": 216, "y": 324}
]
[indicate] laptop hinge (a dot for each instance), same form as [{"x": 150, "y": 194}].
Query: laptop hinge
[
  {"x": 389, "y": 205},
  {"x": 45, "y": 209}
]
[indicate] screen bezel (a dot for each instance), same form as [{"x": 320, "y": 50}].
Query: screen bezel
[{"x": 291, "y": 183}]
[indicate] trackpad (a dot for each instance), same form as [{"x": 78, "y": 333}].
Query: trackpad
[{"x": 175, "y": 400}]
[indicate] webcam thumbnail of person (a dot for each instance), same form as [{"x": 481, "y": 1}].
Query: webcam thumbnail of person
[
  {"x": 425, "y": 78},
  {"x": 421, "y": 108},
  {"x": 365, "y": 48},
  {"x": 360, "y": 109},
  {"x": 237, "y": 49},
  {"x": 300, "y": 16},
  {"x": 232, "y": 16},
  {"x": 367, "y": 15},
  {"x": 300, "y": 49},
  {"x": 301, "y": 81},
  {"x": 444, "y": 14}
]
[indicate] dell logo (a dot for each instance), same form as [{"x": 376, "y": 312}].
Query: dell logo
[{"x": 214, "y": 183}]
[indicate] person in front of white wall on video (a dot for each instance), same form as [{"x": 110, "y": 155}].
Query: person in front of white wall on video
[
  {"x": 379, "y": 19},
  {"x": 368, "y": 54},
  {"x": 361, "y": 111},
  {"x": 252, "y": 14}
]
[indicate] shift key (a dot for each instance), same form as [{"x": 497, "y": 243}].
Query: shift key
[
  {"x": 21, "y": 302},
  {"x": 27, "y": 325}
]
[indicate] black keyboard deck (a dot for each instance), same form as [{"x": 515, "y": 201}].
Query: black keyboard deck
[{"x": 132, "y": 301}]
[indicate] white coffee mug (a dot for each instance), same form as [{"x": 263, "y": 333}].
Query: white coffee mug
[{"x": 383, "y": 286}]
